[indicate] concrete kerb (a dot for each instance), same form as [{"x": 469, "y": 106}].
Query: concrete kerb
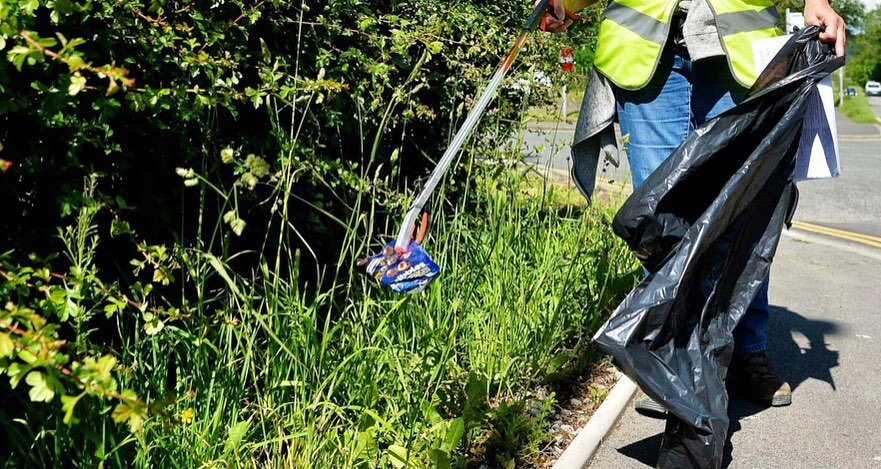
[
  {"x": 582, "y": 449},
  {"x": 561, "y": 127},
  {"x": 861, "y": 138}
]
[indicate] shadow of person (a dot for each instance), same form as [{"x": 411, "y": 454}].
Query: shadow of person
[
  {"x": 791, "y": 361},
  {"x": 644, "y": 450},
  {"x": 794, "y": 363}
]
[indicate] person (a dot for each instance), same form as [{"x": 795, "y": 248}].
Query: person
[{"x": 664, "y": 67}]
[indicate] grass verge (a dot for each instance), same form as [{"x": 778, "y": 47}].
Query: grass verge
[
  {"x": 857, "y": 109},
  {"x": 358, "y": 377}
]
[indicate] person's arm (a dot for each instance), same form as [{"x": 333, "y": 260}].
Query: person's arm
[{"x": 820, "y": 12}]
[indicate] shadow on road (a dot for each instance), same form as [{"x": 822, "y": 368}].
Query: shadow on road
[
  {"x": 644, "y": 451},
  {"x": 792, "y": 362}
]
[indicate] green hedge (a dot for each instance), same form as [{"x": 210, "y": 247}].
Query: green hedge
[{"x": 183, "y": 186}]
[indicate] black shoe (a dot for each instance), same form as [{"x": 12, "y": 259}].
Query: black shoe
[
  {"x": 650, "y": 408},
  {"x": 752, "y": 377}
]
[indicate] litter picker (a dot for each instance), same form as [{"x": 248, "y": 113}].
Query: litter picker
[{"x": 403, "y": 265}]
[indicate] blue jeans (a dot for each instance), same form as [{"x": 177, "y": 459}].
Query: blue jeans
[{"x": 681, "y": 96}]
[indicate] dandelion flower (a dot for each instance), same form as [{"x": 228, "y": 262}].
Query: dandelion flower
[{"x": 186, "y": 415}]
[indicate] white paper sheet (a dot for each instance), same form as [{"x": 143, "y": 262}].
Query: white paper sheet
[{"x": 817, "y": 156}]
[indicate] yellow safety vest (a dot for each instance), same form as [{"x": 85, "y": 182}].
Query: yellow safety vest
[{"x": 633, "y": 33}]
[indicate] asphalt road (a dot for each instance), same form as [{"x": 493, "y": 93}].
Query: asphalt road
[
  {"x": 851, "y": 202},
  {"x": 548, "y": 148}
]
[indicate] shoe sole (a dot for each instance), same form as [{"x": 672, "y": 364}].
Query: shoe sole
[
  {"x": 777, "y": 400},
  {"x": 781, "y": 400},
  {"x": 649, "y": 408}
]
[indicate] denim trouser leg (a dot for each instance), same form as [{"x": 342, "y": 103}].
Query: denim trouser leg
[
  {"x": 749, "y": 334},
  {"x": 657, "y": 118}
]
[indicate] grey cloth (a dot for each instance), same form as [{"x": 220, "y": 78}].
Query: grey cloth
[
  {"x": 699, "y": 30},
  {"x": 594, "y": 132}
]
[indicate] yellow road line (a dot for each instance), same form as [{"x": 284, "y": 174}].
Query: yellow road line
[
  {"x": 873, "y": 241},
  {"x": 836, "y": 231}
]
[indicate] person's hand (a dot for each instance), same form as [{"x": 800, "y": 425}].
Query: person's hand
[
  {"x": 819, "y": 12},
  {"x": 552, "y": 24}
]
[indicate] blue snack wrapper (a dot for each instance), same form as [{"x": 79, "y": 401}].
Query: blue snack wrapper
[{"x": 403, "y": 272}]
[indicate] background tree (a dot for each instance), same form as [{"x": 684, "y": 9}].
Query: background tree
[
  {"x": 866, "y": 63},
  {"x": 852, "y": 11}
]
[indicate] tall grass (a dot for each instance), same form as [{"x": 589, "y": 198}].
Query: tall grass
[{"x": 354, "y": 376}]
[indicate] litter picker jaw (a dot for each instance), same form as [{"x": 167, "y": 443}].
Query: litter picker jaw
[{"x": 403, "y": 265}]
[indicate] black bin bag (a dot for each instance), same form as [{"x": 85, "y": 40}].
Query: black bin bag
[{"x": 706, "y": 225}]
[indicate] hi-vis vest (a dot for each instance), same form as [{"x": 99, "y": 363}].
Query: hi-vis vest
[{"x": 633, "y": 33}]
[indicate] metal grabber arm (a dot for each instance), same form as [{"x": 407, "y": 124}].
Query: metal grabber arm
[{"x": 405, "y": 234}]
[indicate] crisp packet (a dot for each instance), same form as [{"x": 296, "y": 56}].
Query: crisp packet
[{"x": 409, "y": 271}]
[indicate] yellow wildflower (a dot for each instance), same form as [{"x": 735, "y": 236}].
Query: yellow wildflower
[{"x": 186, "y": 415}]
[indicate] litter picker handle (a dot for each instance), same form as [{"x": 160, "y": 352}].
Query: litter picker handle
[
  {"x": 541, "y": 9},
  {"x": 538, "y": 19},
  {"x": 471, "y": 121}
]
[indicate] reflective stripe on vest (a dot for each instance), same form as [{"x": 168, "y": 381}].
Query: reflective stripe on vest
[
  {"x": 651, "y": 29},
  {"x": 740, "y": 23},
  {"x": 633, "y": 33}
]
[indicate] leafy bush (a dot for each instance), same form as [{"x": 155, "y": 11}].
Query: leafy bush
[
  {"x": 349, "y": 93},
  {"x": 182, "y": 188},
  {"x": 866, "y": 62}
]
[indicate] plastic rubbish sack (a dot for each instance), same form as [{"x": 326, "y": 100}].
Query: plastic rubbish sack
[{"x": 706, "y": 225}]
